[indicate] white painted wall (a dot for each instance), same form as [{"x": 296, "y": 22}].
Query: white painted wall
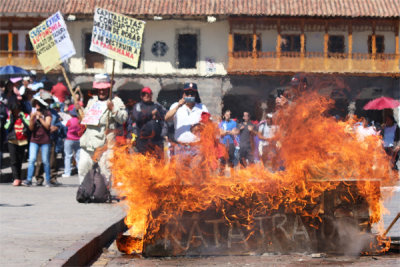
[{"x": 212, "y": 44}]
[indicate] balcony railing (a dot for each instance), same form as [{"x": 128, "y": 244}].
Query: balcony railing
[
  {"x": 23, "y": 59},
  {"x": 317, "y": 62}
]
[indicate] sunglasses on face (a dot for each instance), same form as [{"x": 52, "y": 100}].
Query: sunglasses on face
[{"x": 143, "y": 94}]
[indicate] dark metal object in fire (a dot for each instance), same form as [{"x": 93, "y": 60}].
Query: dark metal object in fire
[{"x": 334, "y": 222}]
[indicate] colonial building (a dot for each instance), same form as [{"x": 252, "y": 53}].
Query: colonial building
[{"x": 239, "y": 52}]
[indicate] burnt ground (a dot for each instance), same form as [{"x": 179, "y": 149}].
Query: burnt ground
[{"x": 112, "y": 257}]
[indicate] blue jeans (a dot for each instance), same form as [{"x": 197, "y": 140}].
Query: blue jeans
[
  {"x": 70, "y": 146},
  {"x": 33, "y": 151}
]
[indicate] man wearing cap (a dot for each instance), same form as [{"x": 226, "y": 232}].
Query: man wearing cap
[
  {"x": 186, "y": 113},
  {"x": 146, "y": 121},
  {"x": 101, "y": 130}
]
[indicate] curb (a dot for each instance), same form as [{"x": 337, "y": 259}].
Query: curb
[{"x": 83, "y": 252}]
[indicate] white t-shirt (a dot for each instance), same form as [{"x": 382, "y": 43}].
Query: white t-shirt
[{"x": 184, "y": 118}]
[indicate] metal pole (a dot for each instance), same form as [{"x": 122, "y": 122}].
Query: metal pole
[{"x": 391, "y": 225}]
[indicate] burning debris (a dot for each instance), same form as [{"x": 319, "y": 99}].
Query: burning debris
[{"x": 321, "y": 195}]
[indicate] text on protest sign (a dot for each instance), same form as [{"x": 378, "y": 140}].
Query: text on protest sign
[
  {"x": 51, "y": 42},
  {"x": 92, "y": 117},
  {"x": 117, "y": 36}
]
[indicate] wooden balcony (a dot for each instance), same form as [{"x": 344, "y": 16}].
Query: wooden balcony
[
  {"x": 24, "y": 59},
  {"x": 313, "y": 62}
]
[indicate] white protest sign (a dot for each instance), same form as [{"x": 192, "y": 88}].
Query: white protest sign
[
  {"x": 92, "y": 117},
  {"x": 117, "y": 36},
  {"x": 51, "y": 42}
]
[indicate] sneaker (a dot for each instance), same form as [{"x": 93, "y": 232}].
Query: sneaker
[
  {"x": 49, "y": 185},
  {"x": 26, "y": 183},
  {"x": 39, "y": 182},
  {"x": 54, "y": 182},
  {"x": 17, "y": 182},
  {"x": 65, "y": 175}
]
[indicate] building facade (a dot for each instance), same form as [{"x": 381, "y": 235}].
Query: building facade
[{"x": 239, "y": 52}]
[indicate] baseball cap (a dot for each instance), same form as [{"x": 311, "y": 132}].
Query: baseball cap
[
  {"x": 190, "y": 86},
  {"x": 146, "y": 90}
]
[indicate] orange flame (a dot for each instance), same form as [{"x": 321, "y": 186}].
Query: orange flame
[{"x": 316, "y": 152}]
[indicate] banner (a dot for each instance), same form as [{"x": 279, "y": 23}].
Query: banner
[
  {"x": 117, "y": 36},
  {"x": 51, "y": 42}
]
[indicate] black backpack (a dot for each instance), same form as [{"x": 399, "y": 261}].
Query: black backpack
[{"x": 94, "y": 188}]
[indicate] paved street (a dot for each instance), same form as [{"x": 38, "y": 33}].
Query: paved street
[{"x": 37, "y": 223}]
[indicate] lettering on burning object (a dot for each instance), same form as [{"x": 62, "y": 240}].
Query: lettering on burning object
[{"x": 184, "y": 235}]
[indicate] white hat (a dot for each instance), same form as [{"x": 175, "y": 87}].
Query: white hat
[
  {"x": 102, "y": 81},
  {"x": 38, "y": 98},
  {"x": 26, "y": 78}
]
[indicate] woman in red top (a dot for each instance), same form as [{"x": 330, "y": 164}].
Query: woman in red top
[{"x": 17, "y": 126}]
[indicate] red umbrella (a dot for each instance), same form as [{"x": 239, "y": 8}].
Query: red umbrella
[{"x": 382, "y": 103}]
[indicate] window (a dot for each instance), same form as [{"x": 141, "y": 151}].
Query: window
[
  {"x": 28, "y": 44},
  {"x": 336, "y": 44},
  {"x": 187, "y": 51},
  {"x": 380, "y": 44},
  {"x": 4, "y": 42},
  {"x": 92, "y": 59},
  {"x": 290, "y": 43},
  {"x": 244, "y": 42}
]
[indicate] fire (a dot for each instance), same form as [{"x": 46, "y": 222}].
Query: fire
[{"x": 316, "y": 154}]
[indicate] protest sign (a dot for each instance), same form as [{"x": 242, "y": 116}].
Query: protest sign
[
  {"x": 92, "y": 117},
  {"x": 51, "y": 42},
  {"x": 117, "y": 36}
]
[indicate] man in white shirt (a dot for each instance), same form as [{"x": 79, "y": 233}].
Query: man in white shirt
[{"x": 186, "y": 113}]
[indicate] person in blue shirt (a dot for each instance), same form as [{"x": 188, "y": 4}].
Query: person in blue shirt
[{"x": 228, "y": 130}]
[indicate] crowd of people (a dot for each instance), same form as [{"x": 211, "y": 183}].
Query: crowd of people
[{"x": 44, "y": 121}]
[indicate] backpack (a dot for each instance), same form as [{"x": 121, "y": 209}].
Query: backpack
[{"x": 94, "y": 188}]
